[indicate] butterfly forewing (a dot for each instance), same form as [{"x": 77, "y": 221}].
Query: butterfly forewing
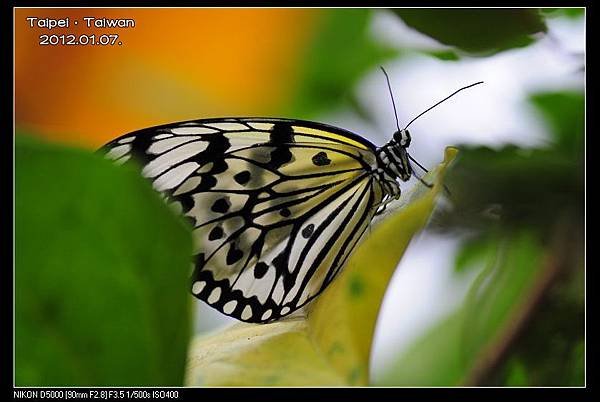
[{"x": 276, "y": 205}]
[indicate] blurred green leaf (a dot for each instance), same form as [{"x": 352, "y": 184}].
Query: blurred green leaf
[
  {"x": 477, "y": 31},
  {"x": 518, "y": 374},
  {"x": 564, "y": 113},
  {"x": 341, "y": 51},
  {"x": 101, "y": 274},
  {"x": 512, "y": 186},
  {"x": 446, "y": 55},
  {"x": 434, "y": 359},
  {"x": 506, "y": 282},
  {"x": 574, "y": 12},
  {"x": 551, "y": 351},
  {"x": 448, "y": 353},
  {"x": 472, "y": 252},
  {"x": 330, "y": 344}
]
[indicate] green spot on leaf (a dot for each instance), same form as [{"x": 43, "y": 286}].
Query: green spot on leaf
[{"x": 356, "y": 287}]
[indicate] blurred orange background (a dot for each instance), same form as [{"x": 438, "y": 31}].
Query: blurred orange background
[{"x": 175, "y": 64}]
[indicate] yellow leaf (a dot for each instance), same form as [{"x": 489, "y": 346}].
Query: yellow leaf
[{"x": 329, "y": 342}]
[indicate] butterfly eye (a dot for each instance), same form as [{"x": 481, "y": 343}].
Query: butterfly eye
[
  {"x": 405, "y": 142},
  {"x": 402, "y": 138},
  {"x": 398, "y": 136}
]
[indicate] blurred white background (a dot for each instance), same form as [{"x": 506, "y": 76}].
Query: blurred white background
[{"x": 424, "y": 287}]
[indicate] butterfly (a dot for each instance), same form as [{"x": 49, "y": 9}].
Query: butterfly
[{"x": 276, "y": 205}]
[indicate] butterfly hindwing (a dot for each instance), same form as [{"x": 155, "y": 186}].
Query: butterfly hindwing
[{"x": 276, "y": 205}]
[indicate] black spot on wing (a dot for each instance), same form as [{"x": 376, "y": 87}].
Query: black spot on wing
[
  {"x": 260, "y": 270},
  {"x": 187, "y": 202},
  {"x": 280, "y": 156},
  {"x": 206, "y": 183},
  {"x": 281, "y": 137},
  {"x": 233, "y": 255},
  {"x": 281, "y": 133},
  {"x": 242, "y": 177},
  {"x": 221, "y": 205},
  {"x": 285, "y": 212},
  {"x": 308, "y": 231},
  {"x": 216, "y": 233},
  {"x": 321, "y": 159}
]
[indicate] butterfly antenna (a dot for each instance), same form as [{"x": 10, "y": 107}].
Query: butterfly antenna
[
  {"x": 391, "y": 96},
  {"x": 443, "y": 100}
]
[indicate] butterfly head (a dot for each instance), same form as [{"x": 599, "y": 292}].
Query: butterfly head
[{"x": 402, "y": 138}]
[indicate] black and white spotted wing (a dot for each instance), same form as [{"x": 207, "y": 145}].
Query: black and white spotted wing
[{"x": 277, "y": 205}]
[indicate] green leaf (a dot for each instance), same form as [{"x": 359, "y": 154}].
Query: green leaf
[
  {"x": 101, "y": 274},
  {"x": 452, "y": 352},
  {"x": 551, "y": 350},
  {"x": 517, "y": 375},
  {"x": 513, "y": 186},
  {"x": 340, "y": 52},
  {"x": 573, "y": 13},
  {"x": 564, "y": 113},
  {"x": 445, "y": 55},
  {"x": 472, "y": 252},
  {"x": 331, "y": 342},
  {"x": 477, "y": 31}
]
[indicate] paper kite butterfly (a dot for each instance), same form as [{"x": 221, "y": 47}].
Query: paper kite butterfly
[{"x": 276, "y": 205}]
